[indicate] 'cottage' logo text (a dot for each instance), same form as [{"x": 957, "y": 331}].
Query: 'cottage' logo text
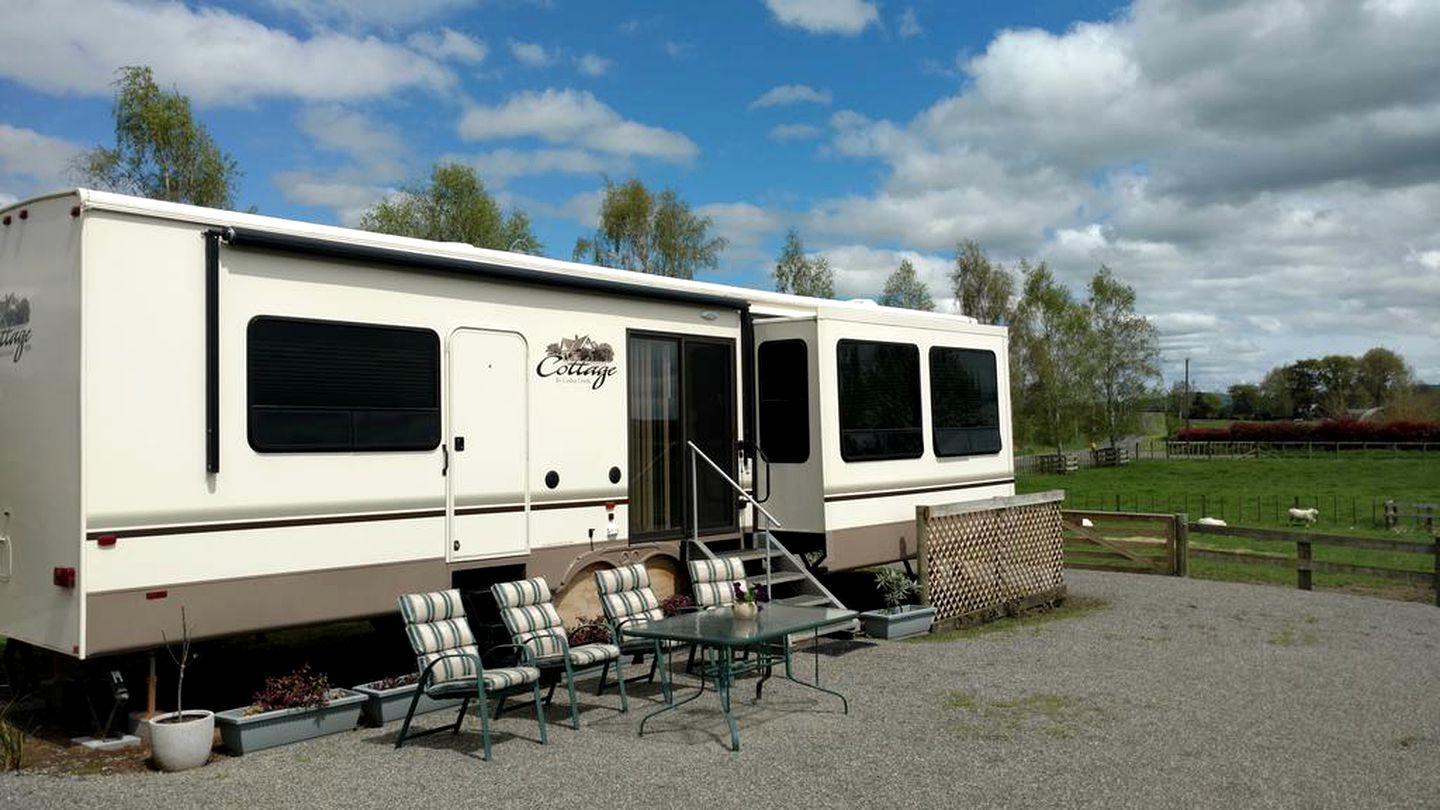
[
  {"x": 578, "y": 360},
  {"x": 14, "y": 326}
]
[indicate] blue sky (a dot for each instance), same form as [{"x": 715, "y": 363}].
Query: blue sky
[{"x": 1264, "y": 172}]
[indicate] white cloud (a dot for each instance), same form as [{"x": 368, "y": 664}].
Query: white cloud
[
  {"x": 499, "y": 166},
  {"x": 366, "y": 13},
  {"x": 794, "y": 132},
  {"x": 860, "y": 270},
  {"x": 448, "y": 43},
  {"x": 32, "y": 163},
  {"x": 7, "y": 199},
  {"x": 678, "y": 50},
  {"x": 909, "y": 24},
  {"x": 1252, "y": 162},
  {"x": 744, "y": 225},
  {"x": 346, "y": 193},
  {"x": 576, "y": 118},
  {"x": 592, "y": 64},
  {"x": 212, "y": 55},
  {"x": 791, "y": 94},
  {"x": 372, "y": 143},
  {"x": 531, "y": 54},
  {"x": 843, "y": 17}
]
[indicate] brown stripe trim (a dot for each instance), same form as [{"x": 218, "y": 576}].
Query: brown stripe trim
[
  {"x": 287, "y": 523},
  {"x": 918, "y": 490}
]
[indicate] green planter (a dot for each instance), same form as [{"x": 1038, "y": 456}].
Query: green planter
[
  {"x": 243, "y": 734},
  {"x": 900, "y": 622},
  {"x": 384, "y": 705}
]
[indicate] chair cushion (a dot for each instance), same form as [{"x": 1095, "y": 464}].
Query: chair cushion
[
  {"x": 455, "y": 665},
  {"x": 625, "y": 578},
  {"x": 532, "y": 591},
  {"x": 510, "y": 676},
  {"x": 429, "y": 607},
  {"x": 631, "y": 604},
  {"x": 587, "y": 654},
  {"x": 714, "y": 581}
]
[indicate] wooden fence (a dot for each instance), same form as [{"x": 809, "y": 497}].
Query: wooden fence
[
  {"x": 1304, "y": 562},
  {"x": 1133, "y": 542},
  {"x": 982, "y": 559}
]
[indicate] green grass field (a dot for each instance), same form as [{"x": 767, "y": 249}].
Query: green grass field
[{"x": 1349, "y": 491}]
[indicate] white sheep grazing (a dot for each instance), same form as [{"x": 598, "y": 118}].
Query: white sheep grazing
[
  {"x": 1306, "y": 516},
  {"x": 1086, "y": 523},
  {"x": 1209, "y": 521}
]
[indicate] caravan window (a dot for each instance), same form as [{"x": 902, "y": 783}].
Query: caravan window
[
  {"x": 964, "y": 405},
  {"x": 784, "y": 390},
  {"x": 879, "y": 401},
  {"x": 327, "y": 386}
]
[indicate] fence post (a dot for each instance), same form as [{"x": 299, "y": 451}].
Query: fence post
[
  {"x": 1437, "y": 570},
  {"x": 922, "y": 540},
  {"x": 1302, "y": 566},
  {"x": 1182, "y": 546}
]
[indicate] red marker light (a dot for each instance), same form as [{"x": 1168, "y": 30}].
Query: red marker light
[
  {"x": 156, "y": 594},
  {"x": 64, "y": 577},
  {"x": 106, "y": 540}
]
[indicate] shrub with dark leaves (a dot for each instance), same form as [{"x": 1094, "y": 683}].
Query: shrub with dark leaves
[
  {"x": 675, "y": 603},
  {"x": 299, "y": 688},
  {"x": 593, "y": 630}
]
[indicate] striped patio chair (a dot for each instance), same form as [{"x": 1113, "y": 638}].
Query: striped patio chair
[
  {"x": 713, "y": 581},
  {"x": 533, "y": 622},
  {"x": 626, "y": 596},
  {"x": 451, "y": 666}
]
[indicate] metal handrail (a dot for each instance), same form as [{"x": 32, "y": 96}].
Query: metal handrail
[
  {"x": 696, "y": 452},
  {"x": 695, "y": 489}
]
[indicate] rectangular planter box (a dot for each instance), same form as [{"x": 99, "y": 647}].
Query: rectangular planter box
[
  {"x": 257, "y": 732},
  {"x": 384, "y": 705},
  {"x": 904, "y": 621}
]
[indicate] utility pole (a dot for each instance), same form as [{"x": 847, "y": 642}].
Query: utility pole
[{"x": 1185, "y": 403}]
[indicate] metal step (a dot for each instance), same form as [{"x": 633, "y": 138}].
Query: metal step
[
  {"x": 750, "y": 554},
  {"x": 803, "y": 600},
  {"x": 777, "y": 578}
]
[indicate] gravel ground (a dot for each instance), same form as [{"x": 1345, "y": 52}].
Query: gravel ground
[{"x": 1178, "y": 693}]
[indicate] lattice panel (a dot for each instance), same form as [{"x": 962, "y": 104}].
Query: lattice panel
[{"x": 986, "y": 559}]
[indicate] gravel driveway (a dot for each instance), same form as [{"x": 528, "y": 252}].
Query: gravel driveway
[{"x": 1178, "y": 693}]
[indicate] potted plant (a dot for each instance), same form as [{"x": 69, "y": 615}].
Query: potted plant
[
  {"x": 748, "y": 599},
  {"x": 290, "y": 708},
  {"x": 181, "y": 739},
  {"x": 389, "y": 698},
  {"x": 898, "y": 619}
]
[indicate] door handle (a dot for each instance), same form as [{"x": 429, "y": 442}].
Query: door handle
[{"x": 445, "y": 454}]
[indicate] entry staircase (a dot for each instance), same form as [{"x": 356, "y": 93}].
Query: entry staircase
[{"x": 786, "y": 577}]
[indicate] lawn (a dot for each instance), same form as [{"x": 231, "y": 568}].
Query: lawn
[{"x": 1349, "y": 491}]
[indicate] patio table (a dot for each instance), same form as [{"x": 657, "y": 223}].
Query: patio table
[{"x": 720, "y": 633}]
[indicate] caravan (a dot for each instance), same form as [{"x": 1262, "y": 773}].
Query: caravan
[{"x": 277, "y": 423}]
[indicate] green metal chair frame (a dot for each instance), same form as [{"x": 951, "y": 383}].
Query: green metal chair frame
[
  {"x": 626, "y": 596},
  {"x": 533, "y": 622},
  {"x": 451, "y": 665}
]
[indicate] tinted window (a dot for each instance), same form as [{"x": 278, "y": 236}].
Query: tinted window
[
  {"x": 964, "y": 405},
  {"x": 784, "y": 390},
  {"x": 327, "y": 386},
  {"x": 879, "y": 401}
]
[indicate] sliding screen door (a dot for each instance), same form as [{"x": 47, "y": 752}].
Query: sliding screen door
[{"x": 681, "y": 389}]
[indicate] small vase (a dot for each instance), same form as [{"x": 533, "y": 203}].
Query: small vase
[{"x": 745, "y": 610}]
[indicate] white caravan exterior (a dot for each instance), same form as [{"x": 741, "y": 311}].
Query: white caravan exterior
[{"x": 277, "y": 423}]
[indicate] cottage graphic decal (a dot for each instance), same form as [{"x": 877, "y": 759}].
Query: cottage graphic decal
[
  {"x": 578, "y": 360},
  {"x": 15, "y": 326}
]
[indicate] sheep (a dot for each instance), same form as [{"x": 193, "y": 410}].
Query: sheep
[
  {"x": 1306, "y": 516},
  {"x": 1086, "y": 523},
  {"x": 1209, "y": 521}
]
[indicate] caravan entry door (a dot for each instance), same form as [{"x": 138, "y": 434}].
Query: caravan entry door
[{"x": 487, "y": 499}]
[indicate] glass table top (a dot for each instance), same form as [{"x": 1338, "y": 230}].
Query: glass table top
[{"x": 720, "y": 627}]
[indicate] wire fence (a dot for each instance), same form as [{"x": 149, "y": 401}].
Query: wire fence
[{"x": 1332, "y": 510}]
